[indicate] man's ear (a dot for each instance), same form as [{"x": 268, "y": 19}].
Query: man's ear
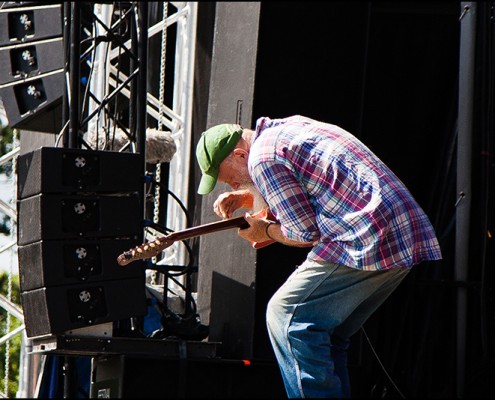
[{"x": 240, "y": 153}]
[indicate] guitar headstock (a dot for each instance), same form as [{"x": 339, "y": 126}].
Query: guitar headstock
[{"x": 144, "y": 251}]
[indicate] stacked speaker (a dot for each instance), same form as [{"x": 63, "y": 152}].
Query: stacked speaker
[
  {"x": 31, "y": 64},
  {"x": 77, "y": 210}
]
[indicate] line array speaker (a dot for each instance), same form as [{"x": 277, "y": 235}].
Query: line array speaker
[
  {"x": 77, "y": 210},
  {"x": 65, "y": 262},
  {"x": 29, "y": 23},
  {"x": 56, "y": 309},
  {"x": 31, "y": 66},
  {"x": 35, "y": 103},
  {"x": 26, "y": 60},
  {"x": 58, "y": 216},
  {"x": 62, "y": 170}
]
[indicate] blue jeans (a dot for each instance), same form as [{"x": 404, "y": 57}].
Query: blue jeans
[{"x": 311, "y": 318}]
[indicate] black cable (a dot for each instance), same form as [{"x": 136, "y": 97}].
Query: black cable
[
  {"x": 179, "y": 202},
  {"x": 115, "y": 115},
  {"x": 190, "y": 303},
  {"x": 381, "y": 364}
]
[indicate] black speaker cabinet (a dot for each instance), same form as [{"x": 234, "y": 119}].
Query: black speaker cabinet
[
  {"x": 35, "y": 21},
  {"x": 35, "y": 103},
  {"x": 62, "y": 170},
  {"x": 30, "y": 59},
  {"x": 56, "y": 216},
  {"x": 55, "y": 262},
  {"x": 57, "y": 309}
]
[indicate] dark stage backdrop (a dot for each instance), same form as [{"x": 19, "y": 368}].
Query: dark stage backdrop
[{"x": 388, "y": 73}]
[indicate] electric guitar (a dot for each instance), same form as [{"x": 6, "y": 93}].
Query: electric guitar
[{"x": 155, "y": 247}]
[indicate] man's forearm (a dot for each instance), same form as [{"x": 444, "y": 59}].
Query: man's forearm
[{"x": 274, "y": 232}]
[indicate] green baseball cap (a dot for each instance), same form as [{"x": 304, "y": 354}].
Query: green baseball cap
[{"x": 213, "y": 147}]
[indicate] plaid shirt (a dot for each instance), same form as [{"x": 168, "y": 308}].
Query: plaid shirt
[{"x": 324, "y": 185}]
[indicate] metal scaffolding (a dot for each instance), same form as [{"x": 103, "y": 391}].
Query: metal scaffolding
[{"x": 108, "y": 105}]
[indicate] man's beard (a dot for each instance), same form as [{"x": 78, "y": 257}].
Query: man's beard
[{"x": 259, "y": 202}]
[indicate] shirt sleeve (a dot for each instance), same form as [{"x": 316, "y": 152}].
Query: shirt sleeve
[{"x": 287, "y": 199}]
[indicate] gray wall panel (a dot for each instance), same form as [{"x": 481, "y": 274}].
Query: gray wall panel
[{"x": 226, "y": 277}]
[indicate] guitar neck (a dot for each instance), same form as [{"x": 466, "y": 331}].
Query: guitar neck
[
  {"x": 236, "y": 222},
  {"x": 151, "y": 249}
]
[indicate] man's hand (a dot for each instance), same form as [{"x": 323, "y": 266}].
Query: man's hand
[
  {"x": 227, "y": 203},
  {"x": 256, "y": 233}
]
